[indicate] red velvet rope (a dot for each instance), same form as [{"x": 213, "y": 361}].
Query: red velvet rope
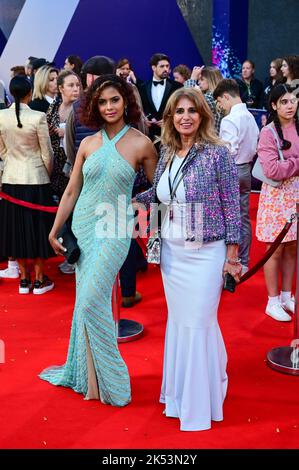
[
  {"x": 269, "y": 252},
  {"x": 142, "y": 243},
  {"x": 29, "y": 205},
  {"x": 53, "y": 209}
]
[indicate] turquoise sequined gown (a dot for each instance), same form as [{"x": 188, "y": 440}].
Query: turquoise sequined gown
[{"x": 94, "y": 365}]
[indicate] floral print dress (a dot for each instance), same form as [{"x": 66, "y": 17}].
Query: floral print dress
[
  {"x": 276, "y": 205},
  {"x": 58, "y": 180}
]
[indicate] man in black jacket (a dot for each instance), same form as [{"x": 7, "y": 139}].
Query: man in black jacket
[
  {"x": 155, "y": 93},
  {"x": 251, "y": 89}
]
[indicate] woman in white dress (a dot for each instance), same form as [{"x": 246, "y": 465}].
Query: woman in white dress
[{"x": 197, "y": 181}]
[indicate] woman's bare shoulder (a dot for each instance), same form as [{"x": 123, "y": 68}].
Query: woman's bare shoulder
[
  {"x": 90, "y": 143},
  {"x": 139, "y": 138},
  {"x": 90, "y": 139}
]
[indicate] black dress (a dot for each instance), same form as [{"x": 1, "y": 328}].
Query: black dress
[
  {"x": 24, "y": 233},
  {"x": 39, "y": 105}
]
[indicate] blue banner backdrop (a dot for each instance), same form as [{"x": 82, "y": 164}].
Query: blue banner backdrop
[
  {"x": 9, "y": 12},
  {"x": 230, "y": 32},
  {"x": 132, "y": 29},
  {"x": 2, "y": 41}
]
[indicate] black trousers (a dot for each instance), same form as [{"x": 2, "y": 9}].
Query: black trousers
[
  {"x": 135, "y": 259},
  {"x": 127, "y": 274}
]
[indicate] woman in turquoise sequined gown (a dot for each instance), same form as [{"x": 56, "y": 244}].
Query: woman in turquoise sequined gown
[{"x": 99, "y": 191}]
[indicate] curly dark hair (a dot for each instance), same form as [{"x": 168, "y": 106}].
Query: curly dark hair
[{"x": 89, "y": 109}]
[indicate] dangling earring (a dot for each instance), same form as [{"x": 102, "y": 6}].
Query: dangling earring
[{"x": 126, "y": 111}]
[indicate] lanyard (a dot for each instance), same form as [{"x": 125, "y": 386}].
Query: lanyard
[{"x": 173, "y": 186}]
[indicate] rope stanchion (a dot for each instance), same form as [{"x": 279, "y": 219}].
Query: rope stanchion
[
  {"x": 126, "y": 330},
  {"x": 285, "y": 359},
  {"x": 115, "y": 304}
]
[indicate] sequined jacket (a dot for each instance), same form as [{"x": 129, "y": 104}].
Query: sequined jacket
[{"x": 210, "y": 178}]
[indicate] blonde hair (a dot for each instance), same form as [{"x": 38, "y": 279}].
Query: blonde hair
[
  {"x": 41, "y": 81},
  {"x": 213, "y": 77},
  {"x": 206, "y": 133}
]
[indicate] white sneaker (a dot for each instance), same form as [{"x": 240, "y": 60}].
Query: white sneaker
[
  {"x": 25, "y": 286},
  {"x": 278, "y": 313},
  {"x": 41, "y": 287},
  {"x": 67, "y": 268},
  {"x": 289, "y": 304},
  {"x": 10, "y": 273}
]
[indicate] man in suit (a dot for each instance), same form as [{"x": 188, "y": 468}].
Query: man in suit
[{"x": 155, "y": 93}]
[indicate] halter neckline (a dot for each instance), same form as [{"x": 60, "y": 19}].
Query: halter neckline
[{"x": 118, "y": 135}]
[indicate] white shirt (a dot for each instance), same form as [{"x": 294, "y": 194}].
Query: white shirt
[
  {"x": 157, "y": 93},
  {"x": 240, "y": 130},
  {"x": 62, "y": 139},
  {"x": 49, "y": 99},
  {"x": 175, "y": 228}
]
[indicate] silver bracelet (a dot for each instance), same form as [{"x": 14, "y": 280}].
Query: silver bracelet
[{"x": 233, "y": 261}]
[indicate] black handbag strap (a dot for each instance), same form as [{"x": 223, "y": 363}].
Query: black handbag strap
[
  {"x": 159, "y": 222},
  {"x": 177, "y": 178}
]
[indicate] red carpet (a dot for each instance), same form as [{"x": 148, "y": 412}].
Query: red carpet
[{"x": 261, "y": 409}]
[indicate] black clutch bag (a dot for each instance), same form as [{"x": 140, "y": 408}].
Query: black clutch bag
[
  {"x": 229, "y": 283},
  {"x": 69, "y": 241}
]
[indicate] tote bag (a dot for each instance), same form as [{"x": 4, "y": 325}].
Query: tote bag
[{"x": 257, "y": 170}]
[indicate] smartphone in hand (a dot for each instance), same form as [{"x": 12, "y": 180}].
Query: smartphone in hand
[{"x": 229, "y": 283}]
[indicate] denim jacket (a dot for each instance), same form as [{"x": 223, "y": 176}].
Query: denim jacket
[{"x": 210, "y": 178}]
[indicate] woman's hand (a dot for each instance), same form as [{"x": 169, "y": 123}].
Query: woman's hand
[
  {"x": 132, "y": 77},
  {"x": 196, "y": 72},
  {"x": 159, "y": 123},
  {"x": 52, "y": 130},
  {"x": 234, "y": 270},
  {"x": 60, "y": 132},
  {"x": 148, "y": 123},
  {"x": 58, "y": 248}
]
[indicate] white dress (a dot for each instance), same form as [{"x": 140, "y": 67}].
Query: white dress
[{"x": 194, "y": 373}]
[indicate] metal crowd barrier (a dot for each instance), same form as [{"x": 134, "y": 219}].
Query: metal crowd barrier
[{"x": 126, "y": 330}]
